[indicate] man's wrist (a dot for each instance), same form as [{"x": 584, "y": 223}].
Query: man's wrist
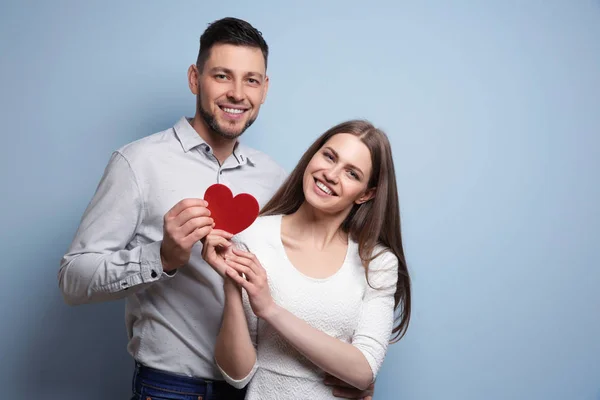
[{"x": 166, "y": 266}]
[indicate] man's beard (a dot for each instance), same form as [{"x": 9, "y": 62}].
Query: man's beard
[{"x": 212, "y": 123}]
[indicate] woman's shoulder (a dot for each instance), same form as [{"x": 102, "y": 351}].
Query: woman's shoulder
[{"x": 383, "y": 255}]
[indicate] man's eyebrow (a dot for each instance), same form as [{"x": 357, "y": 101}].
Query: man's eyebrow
[
  {"x": 335, "y": 153},
  {"x": 221, "y": 69},
  {"x": 256, "y": 74},
  {"x": 230, "y": 72}
]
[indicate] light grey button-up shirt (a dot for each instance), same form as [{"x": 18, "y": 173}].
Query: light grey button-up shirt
[{"x": 172, "y": 321}]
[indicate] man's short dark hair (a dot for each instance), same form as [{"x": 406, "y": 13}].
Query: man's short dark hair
[{"x": 230, "y": 31}]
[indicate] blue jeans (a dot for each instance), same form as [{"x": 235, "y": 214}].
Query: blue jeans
[{"x": 152, "y": 384}]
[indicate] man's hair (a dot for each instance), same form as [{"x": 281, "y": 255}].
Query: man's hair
[{"x": 230, "y": 31}]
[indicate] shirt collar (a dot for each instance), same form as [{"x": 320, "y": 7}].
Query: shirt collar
[{"x": 189, "y": 139}]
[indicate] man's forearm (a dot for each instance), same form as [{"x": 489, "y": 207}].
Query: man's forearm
[{"x": 89, "y": 277}]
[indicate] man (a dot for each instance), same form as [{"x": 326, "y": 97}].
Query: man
[{"x": 139, "y": 237}]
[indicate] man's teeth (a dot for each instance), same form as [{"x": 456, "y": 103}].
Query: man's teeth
[
  {"x": 233, "y": 110},
  {"x": 324, "y": 188}
]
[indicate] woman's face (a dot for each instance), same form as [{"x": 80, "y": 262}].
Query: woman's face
[{"x": 336, "y": 177}]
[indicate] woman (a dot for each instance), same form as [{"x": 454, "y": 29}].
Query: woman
[{"x": 324, "y": 272}]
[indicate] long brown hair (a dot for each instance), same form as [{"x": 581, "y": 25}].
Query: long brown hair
[{"x": 374, "y": 222}]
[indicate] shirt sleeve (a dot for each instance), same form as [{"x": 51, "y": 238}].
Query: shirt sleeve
[
  {"x": 374, "y": 329},
  {"x": 101, "y": 264}
]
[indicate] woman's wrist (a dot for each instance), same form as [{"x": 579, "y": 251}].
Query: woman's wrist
[
  {"x": 230, "y": 287},
  {"x": 271, "y": 313}
]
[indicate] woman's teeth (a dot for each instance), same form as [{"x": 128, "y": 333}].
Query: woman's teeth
[{"x": 324, "y": 188}]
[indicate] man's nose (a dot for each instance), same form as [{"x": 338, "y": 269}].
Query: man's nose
[{"x": 236, "y": 92}]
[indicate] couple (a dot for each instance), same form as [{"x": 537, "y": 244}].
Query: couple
[{"x": 328, "y": 240}]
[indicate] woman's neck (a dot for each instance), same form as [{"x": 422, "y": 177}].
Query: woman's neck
[{"x": 309, "y": 224}]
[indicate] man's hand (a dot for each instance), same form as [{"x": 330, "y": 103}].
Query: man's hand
[
  {"x": 342, "y": 390},
  {"x": 184, "y": 225}
]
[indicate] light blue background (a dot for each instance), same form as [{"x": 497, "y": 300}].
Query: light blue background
[{"x": 493, "y": 109}]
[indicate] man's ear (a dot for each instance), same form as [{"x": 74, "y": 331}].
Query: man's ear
[
  {"x": 265, "y": 90},
  {"x": 368, "y": 195},
  {"x": 193, "y": 78}
]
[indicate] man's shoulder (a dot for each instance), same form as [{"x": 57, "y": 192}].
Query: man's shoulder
[{"x": 148, "y": 145}]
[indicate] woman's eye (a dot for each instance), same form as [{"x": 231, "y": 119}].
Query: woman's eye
[{"x": 353, "y": 174}]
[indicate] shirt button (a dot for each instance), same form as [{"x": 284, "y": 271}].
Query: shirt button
[{"x": 153, "y": 274}]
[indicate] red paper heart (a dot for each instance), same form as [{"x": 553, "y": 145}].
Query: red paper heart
[{"x": 231, "y": 214}]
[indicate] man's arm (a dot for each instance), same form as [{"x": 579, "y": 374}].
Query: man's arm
[
  {"x": 102, "y": 264},
  {"x": 99, "y": 264}
]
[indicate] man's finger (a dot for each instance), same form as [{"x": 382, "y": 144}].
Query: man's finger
[
  {"x": 193, "y": 224},
  {"x": 195, "y": 236},
  {"x": 183, "y": 204},
  {"x": 191, "y": 213}
]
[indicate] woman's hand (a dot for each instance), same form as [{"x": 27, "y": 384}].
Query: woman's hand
[
  {"x": 216, "y": 246},
  {"x": 256, "y": 284}
]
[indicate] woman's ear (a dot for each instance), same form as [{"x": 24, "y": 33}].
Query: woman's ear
[{"x": 368, "y": 195}]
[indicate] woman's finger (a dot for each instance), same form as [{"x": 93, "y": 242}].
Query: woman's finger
[
  {"x": 252, "y": 261},
  {"x": 233, "y": 274},
  {"x": 242, "y": 269},
  {"x": 221, "y": 233},
  {"x": 215, "y": 240},
  {"x": 242, "y": 260}
]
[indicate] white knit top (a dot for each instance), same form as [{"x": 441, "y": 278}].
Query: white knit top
[{"x": 343, "y": 306}]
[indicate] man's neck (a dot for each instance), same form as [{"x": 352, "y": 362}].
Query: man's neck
[{"x": 221, "y": 146}]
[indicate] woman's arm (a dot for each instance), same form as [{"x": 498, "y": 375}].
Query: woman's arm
[
  {"x": 342, "y": 360},
  {"x": 339, "y": 359},
  {"x": 234, "y": 351}
]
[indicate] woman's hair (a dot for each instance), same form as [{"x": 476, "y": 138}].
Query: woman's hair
[{"x": 374, "y": 222}]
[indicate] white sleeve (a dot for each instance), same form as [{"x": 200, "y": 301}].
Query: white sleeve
[{"x": 374, "y": 328}]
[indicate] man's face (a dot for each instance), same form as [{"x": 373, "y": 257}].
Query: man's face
[{"x": 230, "y": 88}]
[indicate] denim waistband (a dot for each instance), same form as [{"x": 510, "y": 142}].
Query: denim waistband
[{"x": 168, "y": 381}]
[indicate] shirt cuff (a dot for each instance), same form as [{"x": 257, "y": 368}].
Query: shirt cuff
[{"x": 151, "y": 264}]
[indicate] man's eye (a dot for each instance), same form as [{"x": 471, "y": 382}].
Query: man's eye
[{"x": 221, "y": 76}]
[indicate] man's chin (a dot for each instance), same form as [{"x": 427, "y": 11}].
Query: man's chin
[{"x": 230, "y": 133}]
